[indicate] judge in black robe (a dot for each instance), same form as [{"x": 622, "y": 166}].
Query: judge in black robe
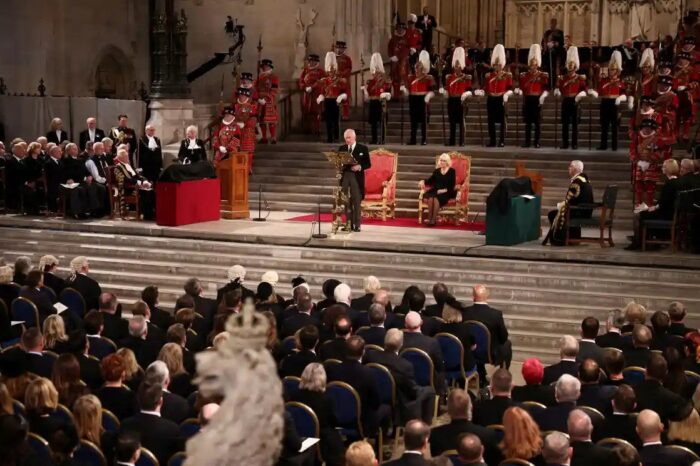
[
  {"x": 55, "y": 175},
  {"x": 580, "y": 192},
  {"x": 15, "y": 177},
  {"x": 150, "y": 155},
  {"x": 191, "y": 148},
  {"x": 74, "y": 171},
  {"x": 85, "y": 135},
  {"x": 34, "y": 189}
]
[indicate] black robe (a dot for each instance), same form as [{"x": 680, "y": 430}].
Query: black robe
[
  {"x": 580, "y": 192},
  {"x": 186, "y": 155},
  {"x": 151, "y": 161}
]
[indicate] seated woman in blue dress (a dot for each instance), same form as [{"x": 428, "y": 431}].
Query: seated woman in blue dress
[{"x": 441, "y": 188}]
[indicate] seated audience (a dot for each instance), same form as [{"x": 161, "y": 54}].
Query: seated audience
[
  {"x": 63, "y": 443},
  {"x": 34, "y": 291},
  {"x": 654, "y": 396},
  {"x": 177, "y": 334},
  {"x": 94, "y": 326},
  {"x": 145, "y": 349},
  {"x": 374, "y": 334},
  {"x": 441, "y": 294},
  {"x": 66, "y": 380},
  {"x": 87, "y": 412},
  {"x": 568, "y": 350},
  {"x": 626, "y": 455},
  {"x": 533, "y": 390},
  {"x": 413, "y": 338},
  {"x": 638, "y": 354},
  {"x": 371, "y": 286},
  {"x": 160, "y": 317},
  {"x": 32, "y": 343},
  {"x": 180, "y": 379},
  {"x": 127, "y": 448},
  {"x": 416, "y": 436},
  {"x": 501, "y": 347},
  {"x": 653, "y": 451},
  {"x": 174, "y": 407},
  {"x": 593, "y": 393},
  {"x": 612, "y": 338},
  {"x": 586, "y": 453},
  {"x": 634, "y": 314},
  {"x": 133, "y": 373},
  {"x": 452, "y": 315},
  {"x": 14, "y": 367},
  {"x": 48, "y": 265},
  {"x": 301, "y": 318},
  {"x": 360, "y": 453},
  {"x": 566, "y": 392},
  {"x": 115, "y": 328},
  {"x": 675, "y": 379},
  {"x": 40, "y": 402},
  {"x": 470, "y": 450},
  {"x": 23, "y": 265},
  {"x": 89, "y": 366},
  {"x": 614, "y": 363},
  {"x": 587, "y": 347},
  {"x": 490, "y": 411},
  {"x": 521, "y": 437},
  {"x": 556, "y": 450},
  {"x": 685, "y": 429},
  {"x": 15, "y": 448},
  {"x": 295, "y": 362},
  {"x": 337, "y": 347},
  {"x": 621, "y": 423},
  {"x": 114, "y": 395},
  {"x": 662, "y": 338},
  {"x": 87, "y": 286},
  {"x": 677, "y": 312},
  {"x": 236, "y": 275}
]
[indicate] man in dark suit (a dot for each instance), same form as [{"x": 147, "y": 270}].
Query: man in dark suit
[
  {"x": 470, "y": 450},
  {"x": 594, "y": 394},
  {"x": 415, "y": 299},
  {"x": 568, "y": 350},
  {"x": 613, "y": 337},
  {"x": 145, "y": 349},
  {"x": 586, "y": 453},
  {"x": 159, "y": 317},
  {"x": 114, "y": 327},
  {"x": 90, "y": 370},
  {"x": 501, "y": 348},
  {"x": 87, "y": 286},
  {"x": 441, "y": 294},
  {"x": 620, "y": 423},
  {"x": 653, "y": 452},
  {"x": 566, "y": 391},
  {"x": 32, "y": 343},
  {"x": 426, "y": 23},
  {"x": 638, "y": 355},
  {"x": 55, "y": 176},
  {"x": 490, "y": 411},
  {"x": 302, "y": 318},
  {"x": 663, "y": 338},
  {"x": 556, "y": 450},
  {"x": 352, "y": 372},
  {"x": 192, "y": 148},
  {"x": 155, "y": 333},
  {"x": 413, "y": 338},
  {"x": 204, "y": 306},
  {"x": 446, "y": 437},
  {"x": 16, "y": 175},
  {"x": 337, "y": 347},
  {"x": 98, "y": 346},
  {"x": 414, "y": 401},
  {"x": 161, "y": 436},
  {"x": 295, "y": 363},
  {"x": 651, "y": 394},
  {"x": 416, "y": 436},
  {"x": 34, "y": 291},
  {"x": 353, "y": 179},
  {"x": 150, "y": 154},
  {"x": 587, "y": 347},
  {"x": 175, "y": 407},
  {"x": 177, "y": 334},
  {"x": 91, "y": 134},
  {"x": 533, "y": 372},
  {"x": 677, "y": 312},
  {"x": 374, "y": 335}
]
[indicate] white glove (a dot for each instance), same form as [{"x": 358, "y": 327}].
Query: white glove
[
  {"x": 320, "y": 99},
  {"x": 579, "y": 96},
  {"x": 429, "y": 96},
  {"x": 341, "y": 98},
  {"x": 557, "y": 93},
  {"x": 465, "y": 95},
  {"x": 681, "y": 88},
  {"x": 308, "y": 89},
  {"x": 413, "y": 50},
  {"x": 223, "y": 150},
  {"x": 479, "y": 93},
  {"x": 517, "y": 91},
  {"x": 441, "y": 91},
  {"x": 620, "y": 99},
  {"x": 364, "y": 91},
  {"x": 385, "y": 96},
  {"x": 559, "y": 204},
  {"x": 404, "y": 90},
  {"x": 542, "y": 97},
  {"x": 394, "y": 59},
  {"x": 506, "y": 96},
  {"x": 630, "y": 102},
  {"x": 240, "y": 124},
  {"x": 593, "y": 93},
  {"x": 261, "y": 101},
  {"x": 643, "y": 165}
]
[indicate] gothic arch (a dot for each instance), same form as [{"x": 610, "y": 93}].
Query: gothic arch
[{"x": 113, "y": 74}]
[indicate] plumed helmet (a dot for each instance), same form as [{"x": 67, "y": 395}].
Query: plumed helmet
[
  {"x": 376, "y": 63},
  {"x": 572, "y": 56},
  {"x": 459, "y": 58},
  {"x": 412, "y": 18},
  {"x": 331, "y": 62},
  {"x": 424, "y": 60},
  {"x": 535, "y": 55},
  {"x": 647, "y": 58},
  {"x": 615, "y": 61},
  {"x": 498, "y": 56}
]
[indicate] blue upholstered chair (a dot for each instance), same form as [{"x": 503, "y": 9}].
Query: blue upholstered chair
[
  {"x": 422, "y": 365},
  {"x": 453, "y": 356},
  {"x": 110, "y": 422},
  {"x": 634, "y": 374},
  {"x": 190, "y": 427},
  {"x": 347, "y": 409},
  {"x": 25, "y": 310},
  {"x": 290, "y": 386},
  {"x": 147, "y": 458},
  {"x": 89, "y": 454},
  {"x": 74, "y": 301},
  {"x": 482, "y": 338}
]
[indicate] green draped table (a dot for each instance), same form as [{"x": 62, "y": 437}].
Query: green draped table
[{"x": 520, "y": 224}]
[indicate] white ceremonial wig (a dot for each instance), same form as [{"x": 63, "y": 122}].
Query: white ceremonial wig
[
  {"x": 47, "y": 260},
  {"x": 459, "y": 58},
  {"x": 236, "y": 272},
  {"x": 535, "y": 54},
  {"x": 424, "y": 60},
  {"x": 647, "y": 58},
  {"x": 572, "y": 56},
  {"x": 615, "y": 61},
  {"x": 376, "y": 63},
  {"x": 331, "y": 62},
  {"x": 270, "y": 277},
  {"x": 190, "y": 128},
  {"x": 498, "y": 56}
]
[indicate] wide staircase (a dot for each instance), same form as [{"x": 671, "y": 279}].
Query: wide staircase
[{"x": 541, "y": 300}]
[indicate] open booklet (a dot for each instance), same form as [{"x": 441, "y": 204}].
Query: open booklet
[
  {"x": 641, "y": 208},
  {"x": 307, "y": 443},
  {"x": 70, "y": 185},
  {"x": 60, "y": 307}
]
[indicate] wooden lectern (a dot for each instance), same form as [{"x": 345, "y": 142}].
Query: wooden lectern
[{"x": 233, "y": 174}]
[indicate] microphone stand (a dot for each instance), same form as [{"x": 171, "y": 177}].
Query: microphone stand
[
  {"x": 319, "y": 235},
  {"x": 259, "y": 218}
]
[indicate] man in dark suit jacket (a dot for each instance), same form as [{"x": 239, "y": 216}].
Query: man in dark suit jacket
[
  {"x": 653, "y": 452},
  {"x": 161, "y": 436},
  {"x": 371, "y": 285},
  {"x": 34, "y": 291},
  {"x": 32, "y": 343},
  {"x": 586, "y": 453},
  {"x": 593, "y": 394},
  {"x": 90, "y": 370},
  {"x": 58, "y": 135},
  {"x": 150, "y": 154},
  {"x": 568, "y": 350},
  {"x": 295, "y": 363},
  {"x": 490, "y": 411},
  {"x": 620, "y": 423},
  {"x": 677, "y": 312},
  {"x": 16, "y": 175},
  {"x": 159, "y": 317},
  {"x": 204, "y": 306},
  {"x": 87, "y": 286},
  {"x": 91, "y": 134},
  {"x": 352, "y": 372},
  {"x": 566, "y": 392},
  {"x": 337, "y": 347},
  {"x": 441, "y": 294},
  {"x": 353, "y": 179},
  {"x": 413, "y": 338},
  {"x": 587, "y": 347},
  {"x": 663, "y": 338},
  {"x": 651, "y": 394},
  {"x": 302, "y": 318},
  {"x": 145, "y": 349},
  {"x": 414, "y": 401},
  {"x": 415, "y": 299},
  {"x": 114, "y": 327},
  {"x": 638, "y": 355},
  {"x": 175, "y": 407},
  {"x": 533, "y": 372},
  {"x": 426, "y": 23},
  {"x": 374, "y": 335},
  {"x": 416, "y": 435},
  {"x": 55, "y": 176},
  {"x": 556, "y": 450},
  {"x": 98, "y": 346},
  {"x": 446, "y": 436},
  {"x": 501, "y": 348},
  {"x": 613, "y": 337}
]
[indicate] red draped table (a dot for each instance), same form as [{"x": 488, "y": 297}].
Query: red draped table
[{"x": 188, "y": 202}]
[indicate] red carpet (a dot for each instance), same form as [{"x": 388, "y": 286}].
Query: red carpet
[{"x": 397, "y": 222}]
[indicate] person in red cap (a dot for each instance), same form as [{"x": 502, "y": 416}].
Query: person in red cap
[
  {"x": 344, "y": 71},
  {"x": 398, "y": 56},
  {"x": 268, "y": 86},
  {"x": 246, "y": 112},
  {"x": 309, "y": 84},
  {"x": 533, "y": 390},
  {"x": 226, "y": 135}
]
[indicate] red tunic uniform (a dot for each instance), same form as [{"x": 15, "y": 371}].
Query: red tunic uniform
[
  {"x": 644, "y": 148},
  {"x": 345, "y": 70},
  {"x": 267, "y": 86},
  {"x": 667, "y": 107},
  {"x": 648, "y": 85},
  {"x": 571, "y": 84},
  {"x": 377, "y": 85},
  {"x": 414, "y": 38},
  {"x": 458, "y": 85},
  {"x": 246, "y": 113},
  {"x": 611, "y": 88},
  {"x": 228, "y": 136},
  {"x": 534, "y": 83},
  {"x": 420, "y": 85},
  {"x": 398, "y": 47},
  {"x": 687, "y": 78},
  {"x": 332, "y": 86},
  {"x": 310, "y": 77},
  {"x": 498, "y": 83}
]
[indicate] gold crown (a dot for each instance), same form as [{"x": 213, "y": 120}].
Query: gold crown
[{"x": 248, "y": 329}]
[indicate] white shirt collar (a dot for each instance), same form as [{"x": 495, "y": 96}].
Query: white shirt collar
[
  {"x": 413, "y": 452},
  {"x": 36, "y": 352},
  {"x": 124, "y": 464},
  {"x": 569, "y": 359},
  {"x": 95, "y": 336},
  {"x": 480, "y": 302},
  {"x": 646, "y": 444},
  {"x": 588, "y": 340},
  {"x": 152, "y": 413},
  {"x": 192, "y": 144}
]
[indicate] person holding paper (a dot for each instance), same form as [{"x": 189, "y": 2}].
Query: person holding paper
[{"x": 353, "y": 180}]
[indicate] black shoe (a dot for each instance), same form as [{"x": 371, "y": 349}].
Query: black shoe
[
  {"x": 537, "y": 145},
  {"x": 601, "y": 148},
  {"x": 356, "y": 229},
  {"x": 501, "y": 144}
]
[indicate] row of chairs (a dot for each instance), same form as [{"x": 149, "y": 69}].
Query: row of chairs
[{"x": 22, "y": 309}]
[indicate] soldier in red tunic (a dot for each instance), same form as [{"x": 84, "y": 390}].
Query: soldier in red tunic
[
  {"x": 246, "y": 112},
  {"x": 344, "y": 70},
  {"x": 498, "y": 85},
  {"x": 414, "y": 40},
  {"x": 420, "y": 92},
  {"x": 309, "y": 85},
  {"x": 458, "y": 85},
  {"x": 398, "y": 55},
  {"x": 647, "y": 81},
  {"x": 334, "y": 91},
  {"x": 377, "y": 92},
  {"x": 571, "y": 86},
  {"x": 267, "y": 86},
  {"x": 611, "y": 90},
  {"x": 686, "y": 77},
  {"x": 666, "y": 105},
  {"x": 645, "y": 169},
  {"x": 226, "y": 135},
  {"x": 533, "y": 85}
]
